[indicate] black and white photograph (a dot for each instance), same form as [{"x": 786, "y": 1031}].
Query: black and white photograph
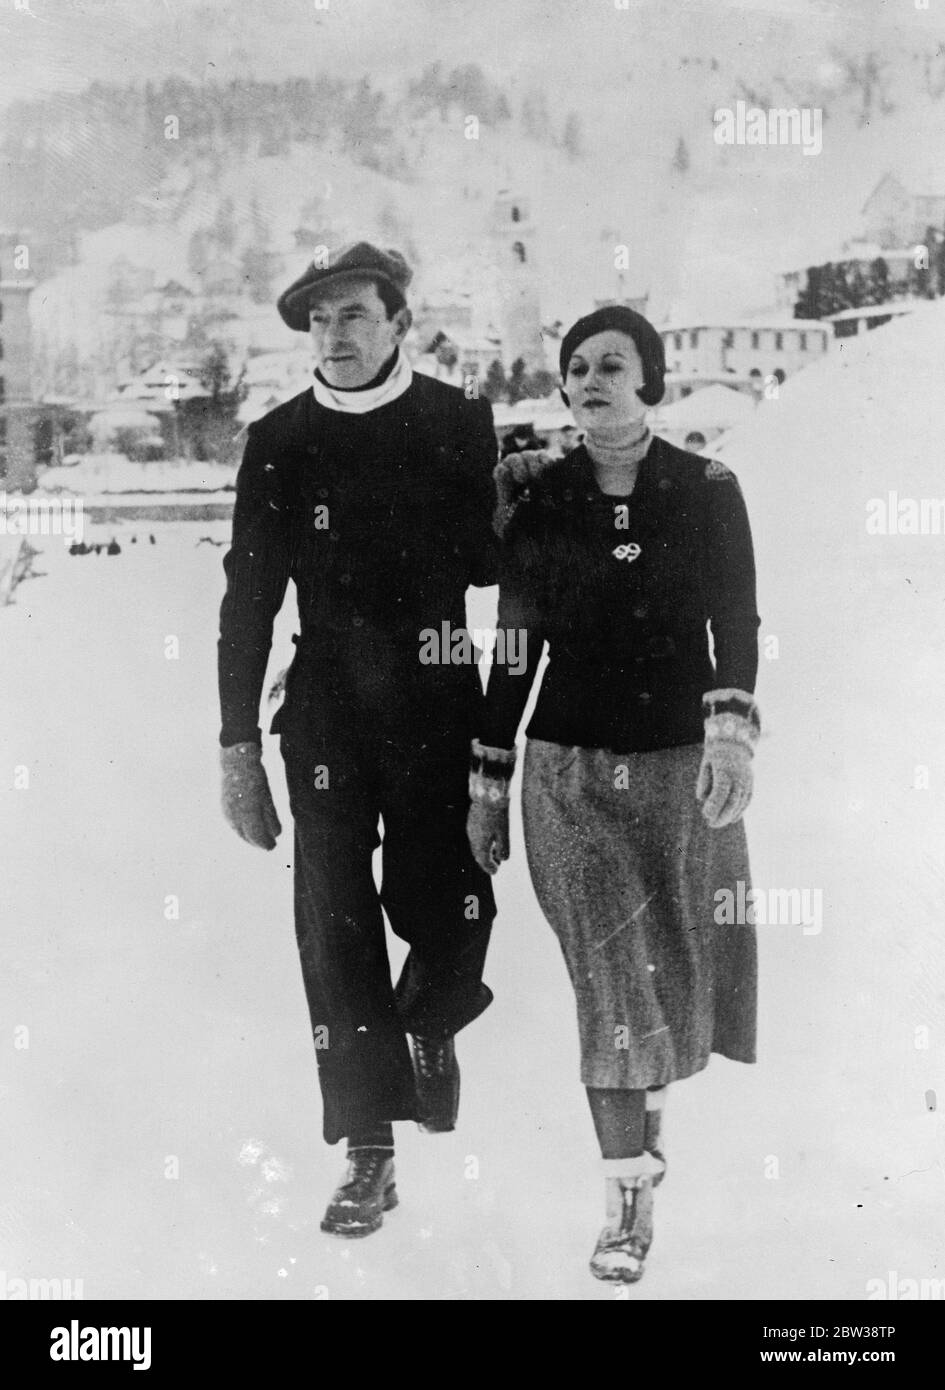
[{"x": 472, "y": 735}]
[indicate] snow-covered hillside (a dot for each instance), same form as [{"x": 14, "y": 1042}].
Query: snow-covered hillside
[{"x": 707, "y": 227}]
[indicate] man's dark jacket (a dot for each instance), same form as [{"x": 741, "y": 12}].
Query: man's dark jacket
[{"x": 382, "y": 520}]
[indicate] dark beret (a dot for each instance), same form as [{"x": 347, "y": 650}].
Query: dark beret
[
  {"x": 357, "y": 258},
  {"x": 648, "y": 344}
]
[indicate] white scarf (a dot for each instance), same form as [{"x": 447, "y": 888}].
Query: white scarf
[{"x": 360, "y": 402}]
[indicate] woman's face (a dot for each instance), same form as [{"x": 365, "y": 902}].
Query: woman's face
[{"x": 604, "y": 375}]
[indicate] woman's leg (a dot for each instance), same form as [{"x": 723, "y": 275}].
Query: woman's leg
[
  {"x": 624, "y": 1121},
  {"x": 620, "y": 1121}
]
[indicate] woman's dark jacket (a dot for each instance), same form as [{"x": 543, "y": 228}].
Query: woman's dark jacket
[{"x": 624, "y": 591}]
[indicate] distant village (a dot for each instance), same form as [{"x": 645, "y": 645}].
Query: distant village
[{"x": 194, "y": 363}]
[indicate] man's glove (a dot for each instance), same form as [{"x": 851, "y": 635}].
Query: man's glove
[
  {"x": 732, "y": 728},
  {"x": 512, "y": 476},
  {"x": 247, "y": 801},
  {"x": 487, "y": 824}
]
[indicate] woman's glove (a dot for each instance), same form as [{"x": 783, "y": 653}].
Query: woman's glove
[
  {"x": 512, "y": 476},
  {"x": 487, "y": 824},
  {"x": 247, "y": 800},
  {"x": 732, "y": 728}
]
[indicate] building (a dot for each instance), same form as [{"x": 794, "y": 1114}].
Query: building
[
  {"x": 17, "y": 406},
  {"x": 849, "y": 322},
  {"x": 513, "y": 240},
  {"x": 747, "y": 348},
  {"x": 902, "y": 206}
]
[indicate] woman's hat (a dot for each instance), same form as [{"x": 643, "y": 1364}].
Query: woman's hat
[{"x": 648, "y": 344}]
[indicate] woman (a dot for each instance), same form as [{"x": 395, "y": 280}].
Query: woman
[{"x": 638, "y": 762}]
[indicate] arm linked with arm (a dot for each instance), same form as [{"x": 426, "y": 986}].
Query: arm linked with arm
[{"x": 519, "y": 642}]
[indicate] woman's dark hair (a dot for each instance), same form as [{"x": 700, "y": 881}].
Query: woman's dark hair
[{"x": 647, "y": 341}]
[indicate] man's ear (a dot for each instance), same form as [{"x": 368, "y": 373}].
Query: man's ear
[
  {"x": 564, "y": 396},
  {"x": 402, "y": 321}
]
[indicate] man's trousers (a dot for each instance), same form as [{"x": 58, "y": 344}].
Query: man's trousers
[{"x": 434, "y": 894}]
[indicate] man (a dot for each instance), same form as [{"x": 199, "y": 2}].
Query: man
[{"x": 372, "y": 490}]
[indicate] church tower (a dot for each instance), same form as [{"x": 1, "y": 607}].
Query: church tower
[{"x": 513, "y": 236}]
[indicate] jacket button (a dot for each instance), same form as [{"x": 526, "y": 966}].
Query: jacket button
[
  {"x": 322, "y": 492},
  {"x": 357, "y": 620},
  {"x": 642, "y": 610},
  {"x": 344, "y": 579}
]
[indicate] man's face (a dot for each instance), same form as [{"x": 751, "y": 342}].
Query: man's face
[{"x": 351, "y": 333}]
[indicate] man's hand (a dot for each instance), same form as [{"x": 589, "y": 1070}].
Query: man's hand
[
  {"x": 512, "y": 475},
  {"x": 487, "y": 827},
  {"x": 247, "y": 801}
]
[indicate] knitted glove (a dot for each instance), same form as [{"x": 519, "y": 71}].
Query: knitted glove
[
  {"x": 512, "y": 476},
  {"x": 247, "y": 801},
  {"x": 487, "y": 824},
  {"x": 732, "y": 727}
]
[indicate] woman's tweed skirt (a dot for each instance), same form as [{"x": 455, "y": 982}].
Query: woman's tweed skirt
[{"x": 627, "y": 871}]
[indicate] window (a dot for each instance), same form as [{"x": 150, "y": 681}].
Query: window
[
  {"x": 694, "y": 338},
  {"x": 728, "y": 339},
  {"x": 516, "y": 215},
  {"x": 779, "y": 342},
  {"x": 802, "y": 341},
  {"x": 677, "y": 341},
  {"x": 755, "y": 341},
  {"x": 3, "y": 429},
  {"x": 519, "y": 251}
]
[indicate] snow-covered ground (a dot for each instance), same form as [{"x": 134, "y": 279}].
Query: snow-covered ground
[{"x": 163, "y": 1123}]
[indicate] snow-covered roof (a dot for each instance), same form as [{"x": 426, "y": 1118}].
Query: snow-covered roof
[
  {"x": 872, "y": 311},
  {"x": 920, "y": 177},
  {"x": 756, "y": 325},
  {"x": 547, "y": 414},
  {"x": 714, "y": 407}
]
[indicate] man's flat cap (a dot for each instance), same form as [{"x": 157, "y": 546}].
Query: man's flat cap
[{"x": 357, "y": 258}]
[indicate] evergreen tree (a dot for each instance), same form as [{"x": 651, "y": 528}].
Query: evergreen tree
[
  {"x": 879, "y": 281},
  {"x": 681, "y": 160},
  {"x": 517, "y": 387},
  {"x": 573, "y": 138},
  {"x": 495, "y": 387}
]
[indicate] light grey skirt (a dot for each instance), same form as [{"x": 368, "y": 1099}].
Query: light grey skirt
[{"x": 627, "y": 871}]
